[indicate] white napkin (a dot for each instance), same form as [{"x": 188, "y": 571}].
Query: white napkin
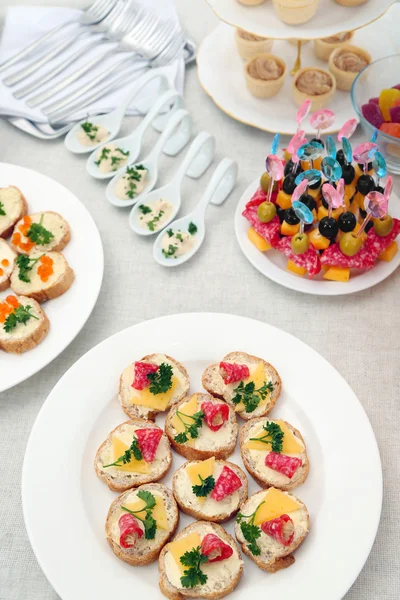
[{"x": 25, "y": 24}]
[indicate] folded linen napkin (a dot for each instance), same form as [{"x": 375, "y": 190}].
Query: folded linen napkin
[{"x": 25, "y": 24}]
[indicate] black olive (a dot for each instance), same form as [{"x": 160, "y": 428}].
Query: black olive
[
  {"x": 289, "y": 168},
  {"x": 290, "y": 217},
  {"x": 348, "y": 173},
  {"x": 347, "y": 221},
  {"x": 328, "y": 227},
  {"x": 340, "y": 157},
  {"x": 308, "y": 201},
  {"x": 315, "y": 186},
  {"x": 289, "y": 184},
  {"x": 365, "y": 184},
  {"x": 319, "y": 141},
  {"x": 280, "y": 212},
  {"x": 361, "y": 165},
  {"x": 379, "y": 188},
  {"x": 363, "y": 213}
]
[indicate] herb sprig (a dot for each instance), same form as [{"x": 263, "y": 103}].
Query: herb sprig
[
  {"x": 191, "y": 429},
  {"x": 161, "y": 380},
  {"x": 133, "y": 174},
  {"x": 170, "y": 250},
  {"x": 274, "y": 436},
  {"x": 21, "y": 314},
  {"x": 251, "y": 397},
  {"x": 2, "y": 211},
  {"x": 192, "y": 229},
  {"x": 193, "y": 575},
  {"x": 144, "y": 209},
  {"x": 250, "y": 532},
  {"x": 149, "y": 523},
  {"x": 127, "y": 455},
  {"x": 90, "y": 130},
  {"x": 25, "y": 264},
  {"x": 152, "y": 224},
  {"x": 39, "y": 234},
  {"x": 206, "y": 486}
]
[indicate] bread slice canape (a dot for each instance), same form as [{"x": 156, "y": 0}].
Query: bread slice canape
[
  {"x": 23, "y": 324},
  {"x": 201, "y": 426},
  {"x": 42, "y": 276},
  {"x": 12, "y": 208},
  {"x": 246, "y": 382},
  {"x": 151, "y": 385},
  {"x": 210, "y": 490},
  {"x": 40, "y": 232},
  {"x": 7, "y": 262},
  {"x": 140, "y": 522},
  {"x": 203, "y": 561},
  {"x": 271, "y": 524},
  {"x": 274, "y": 453},
  {"x": 134, "y": 453}
]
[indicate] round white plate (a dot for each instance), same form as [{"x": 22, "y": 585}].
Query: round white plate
[
  {"x": 331, "y": 18},
  {"x": 65, "y": 504},
  {"x": 272, "y": 264},
  {"x": 221, "y": 74},
  {"x": 69, "y": 313}
]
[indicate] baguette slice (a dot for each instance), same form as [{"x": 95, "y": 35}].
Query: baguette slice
[
  {"x": 7, "y": 262},
  {"x": 274, "y": 555},
  {"x": 144, "y": 551},
  {"x": 254, "y": 460},
  {"x": 127, "y": 393},
  {"x": 208, "y": 509},
  {"x": 220, "y": 444},
  {"x": 56, "y": 285},
  {"x": 14, "y": 205},
  {"x": 52, "y": 222},
  {"x": 121, "y": 479},
  {"x": 25, "y": 337},
  {"x": 215, "y": 385},
  {"x": 222, "y": 577}
]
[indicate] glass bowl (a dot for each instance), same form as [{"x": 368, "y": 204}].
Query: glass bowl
[{"x": 381, "y": 74}]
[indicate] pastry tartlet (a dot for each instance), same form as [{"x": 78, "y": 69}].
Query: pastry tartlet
[
  {"x": 325, "y": 46},
  {"x": 295, "y": 12},
  {"x": 265, "y": 75},
  {"x": 345, "y": 63},
  {"x": 316, "y": 84},
  {"x": 249, "y": 45},
  {"x": 351, "y": 2}
]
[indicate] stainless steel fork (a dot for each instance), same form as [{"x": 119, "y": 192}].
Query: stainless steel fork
[{"x": 94, "y": 14}]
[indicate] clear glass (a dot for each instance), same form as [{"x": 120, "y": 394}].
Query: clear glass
[{"x": 379, "y": 75}]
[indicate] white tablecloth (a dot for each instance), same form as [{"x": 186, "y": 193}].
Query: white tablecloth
[{"x": 358, "y": 334}]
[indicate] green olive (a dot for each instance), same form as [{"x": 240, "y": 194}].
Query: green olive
[
  {"x": 265, "y": 183},
  {"x": 383, "y": 226},
  {"x": 350, "y": 243},
  {"x": 300, "y": 243},
  {"x": 266, "y": 212}
]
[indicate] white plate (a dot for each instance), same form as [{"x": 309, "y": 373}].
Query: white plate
[
  {"x": 221, "y": 74},
  {"x": 65, "y": 504},
  {"x": 272, "y": 264},
  {"x": 69, "y": 313},
  {"x": 331, "y": 18}
]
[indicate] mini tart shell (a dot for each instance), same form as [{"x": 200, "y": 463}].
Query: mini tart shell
[
  {"x": 317, "y": 102},
  {"x": 295, "y": 12},
  {"x": 249, "y": 48},
  {"x": 351, "y": 2},
  {"x": 324, "y": 49},
  {"x": 345, "y": 79},
  {"x": 261, "y": 88}
]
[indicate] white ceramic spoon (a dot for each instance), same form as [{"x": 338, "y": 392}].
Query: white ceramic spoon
[
  {"x": 180, "y": 119},
  {"x": 220, "y": 186},
  {"x": 113, "y": 120},
  {"x": 132, "y": 143},
  {"x": 198, "y": 158}
]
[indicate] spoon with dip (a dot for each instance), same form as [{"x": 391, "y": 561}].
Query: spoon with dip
[
  {"x": 126, "y": 184},
  {"x": 110, "y": 159},
  {"x": 183, "y": 238},
  {"x": 160, "y": 207},
  {"x": 108, "y": 125}
]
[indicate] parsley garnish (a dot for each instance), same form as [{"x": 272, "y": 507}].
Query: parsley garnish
[
  {"x": 192, "y": 229},
  {"x": 115, "y": 160},
  {"x": 171, "y": 251},
  {"x": 161, "y": 380},
  {"x": 251, "y": 397},
  {"x": 103, "y": 156},
  {"x": 150, "y": 524},
  {"x": 90, "y": 130},
  {"x": 25, "y": 264},
  {"x": 192, "y": 429},
  {"x": 170, "y": 232},
  {"x": 126, "y": 457},
  {"x": 132, "y": 172},
  {"x": 151, "y": 224},
  {"x": 21, "y": 314},
  {"x": 2, "y": 211},
  {"x": 144, "y": 209},
  {"x": 250, "y": 532},
  {"x": 39, "y": 234},
  {"x": 131, "y": 193},
  {"x": 206, "y": 487},
  {"x": 178, "y": 236},
  {"x": 274, "y": 436},
  {"x": 193, "y": 575}
]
